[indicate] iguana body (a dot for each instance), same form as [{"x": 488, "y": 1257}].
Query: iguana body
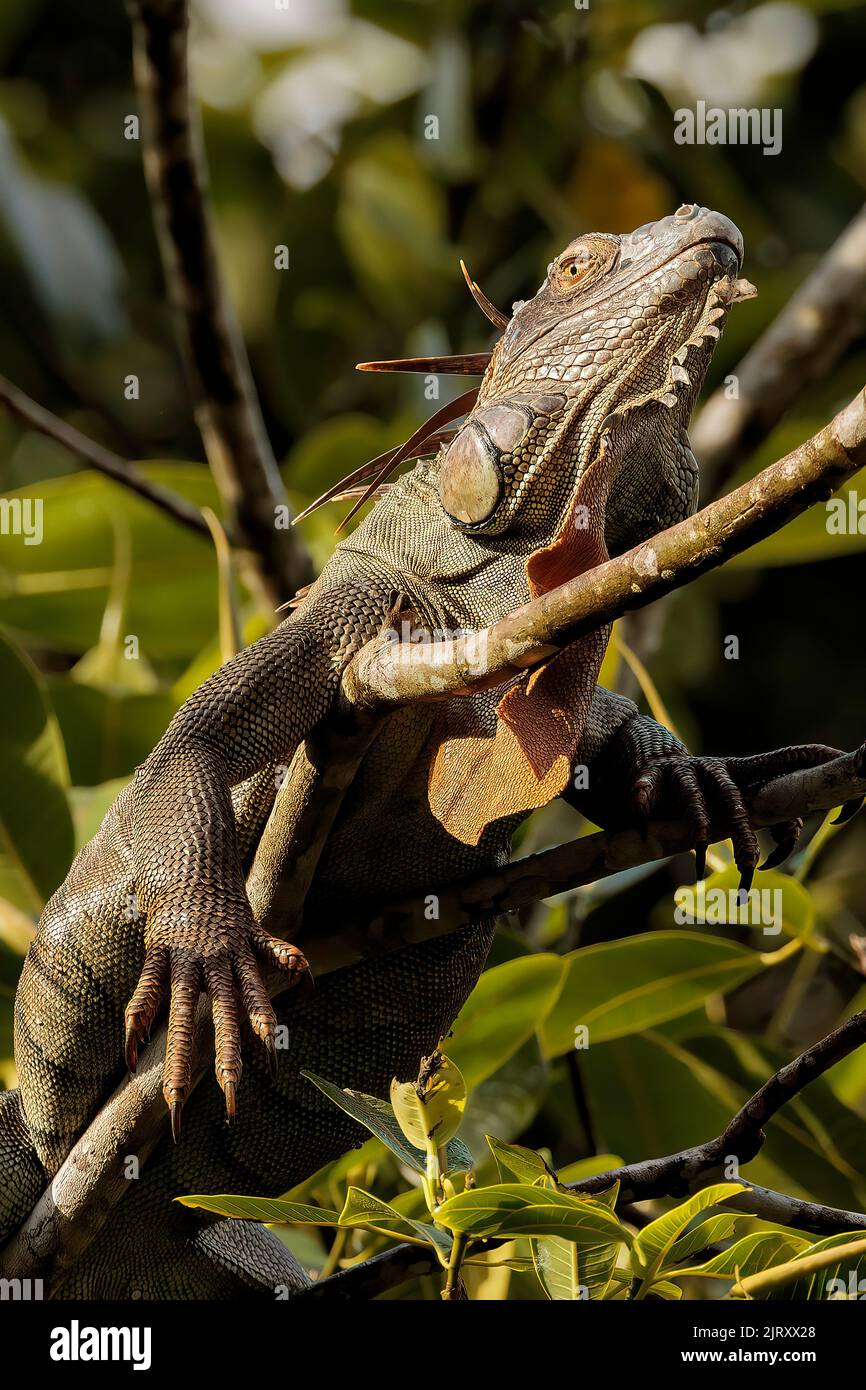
[{"x": 576, "y": 447}]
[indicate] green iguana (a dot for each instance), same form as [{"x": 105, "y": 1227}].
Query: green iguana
[{"x": 574, "y": 448}]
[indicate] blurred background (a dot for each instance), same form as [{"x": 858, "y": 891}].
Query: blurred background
[{"x": 551, "y": 121}]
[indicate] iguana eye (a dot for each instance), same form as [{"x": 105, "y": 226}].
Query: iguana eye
[
  {"x": 582, "y": 261},
  {"x": 470, "y": 484},
  {"x": 575, "y": 266}
]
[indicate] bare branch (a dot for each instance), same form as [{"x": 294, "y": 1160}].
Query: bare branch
[
  {"x": 390, "y": 673},
  {"x": 226, "y": 407},
  {"x": 677, "y": 1175},
  {"x": 800, "y": 346},
  {"x": 36, "y": 417}
]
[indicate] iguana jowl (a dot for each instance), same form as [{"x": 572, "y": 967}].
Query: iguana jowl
[{"x": 575, "y": 448}]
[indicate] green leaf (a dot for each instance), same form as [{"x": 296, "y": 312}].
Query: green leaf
[
  {"x": 559, "y": 1270},
  {"x": 519, "y": 1209},
  {"x": 364, "y": 1209},
  {"x": 502, "y": 1012},
  {"x": 29, "y": 727},
  {"x": 523, "y": 1164},
  {"x": 89, "y": 807},
  {"x": 589, "y": 1167},
  {"x": 433, "y": 1117},
  {"x": 790, "y": 910},
  {"x": 818, "y": 1285},
  {"x": 507, "y": 1102},
  {"x": 378, "y": 1117},
  {"x": 625, "y": 986},
  {"x": 704, "y": 1234},
  {"x": 666, "y": 1290},
  {"x": 568, "y": 1272},
  {"x": 107, "y": 733},
  {"x": 228, "y": 607},
  {"x": 655, "y": 1241},
  {"x": 16, "y": 933},
  {"x": 275, "y": 1210},
  {"x": 36, "y": 835},
  {"x": 755, "y": 1252},
  {"x": 57, "y": 591},
  {"x": 391, "y": 220}
]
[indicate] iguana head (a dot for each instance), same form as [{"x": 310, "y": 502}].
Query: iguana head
[
  {"x": 598, "y": 372},
  {"x": 580, "y": 421}
]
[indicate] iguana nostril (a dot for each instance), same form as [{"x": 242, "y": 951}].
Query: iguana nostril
[{"x": 684, "y": 213}]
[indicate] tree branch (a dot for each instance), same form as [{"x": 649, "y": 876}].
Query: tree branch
[
  {"x": 226, "y": 407},
  {"x": 121, "y": 470},
  {"x": 801, "y": 345},
  {"x": 389, "y": 673},
  {"x": 404, "y": 921},
  {"x": 676, "y": 1175},
  {"x": 679, "y": 1174}
]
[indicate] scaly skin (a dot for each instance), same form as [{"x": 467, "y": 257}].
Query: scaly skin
[{"x": 575, "y": 449}]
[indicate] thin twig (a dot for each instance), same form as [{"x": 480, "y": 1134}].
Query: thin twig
[
  {"x": 677, "y": 1175},
  {"x": 226, "y": 407},
  {"x": 36, "y": 417}
]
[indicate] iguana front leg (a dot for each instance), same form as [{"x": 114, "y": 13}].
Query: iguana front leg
[
  {"x": 637, "y": 769},
  {"x": 187, "y": 870}
]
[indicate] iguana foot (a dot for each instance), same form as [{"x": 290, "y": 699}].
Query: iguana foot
[
  {"x": 226, "y": 961},
  {"x": 645, "y": 771},
  {"x": 712, "y": 794}
]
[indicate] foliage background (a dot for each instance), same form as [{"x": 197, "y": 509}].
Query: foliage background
[{"x": 551, "y": 121}]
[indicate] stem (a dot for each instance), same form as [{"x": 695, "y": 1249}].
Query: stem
[
  {"x": 335, "y": 1254},
  {"x": 452, "y": 1290}
]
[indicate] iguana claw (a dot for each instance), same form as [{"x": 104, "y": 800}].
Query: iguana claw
[
  {"x": 700, "y": 861},
  {"x": 271, "y": 1049},
  {"x": 712, "y": 795},
  {"x": 786, "y": 836},
  {"x": 229, "y": 1091},
  {"x": 229, "y": 969}
]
